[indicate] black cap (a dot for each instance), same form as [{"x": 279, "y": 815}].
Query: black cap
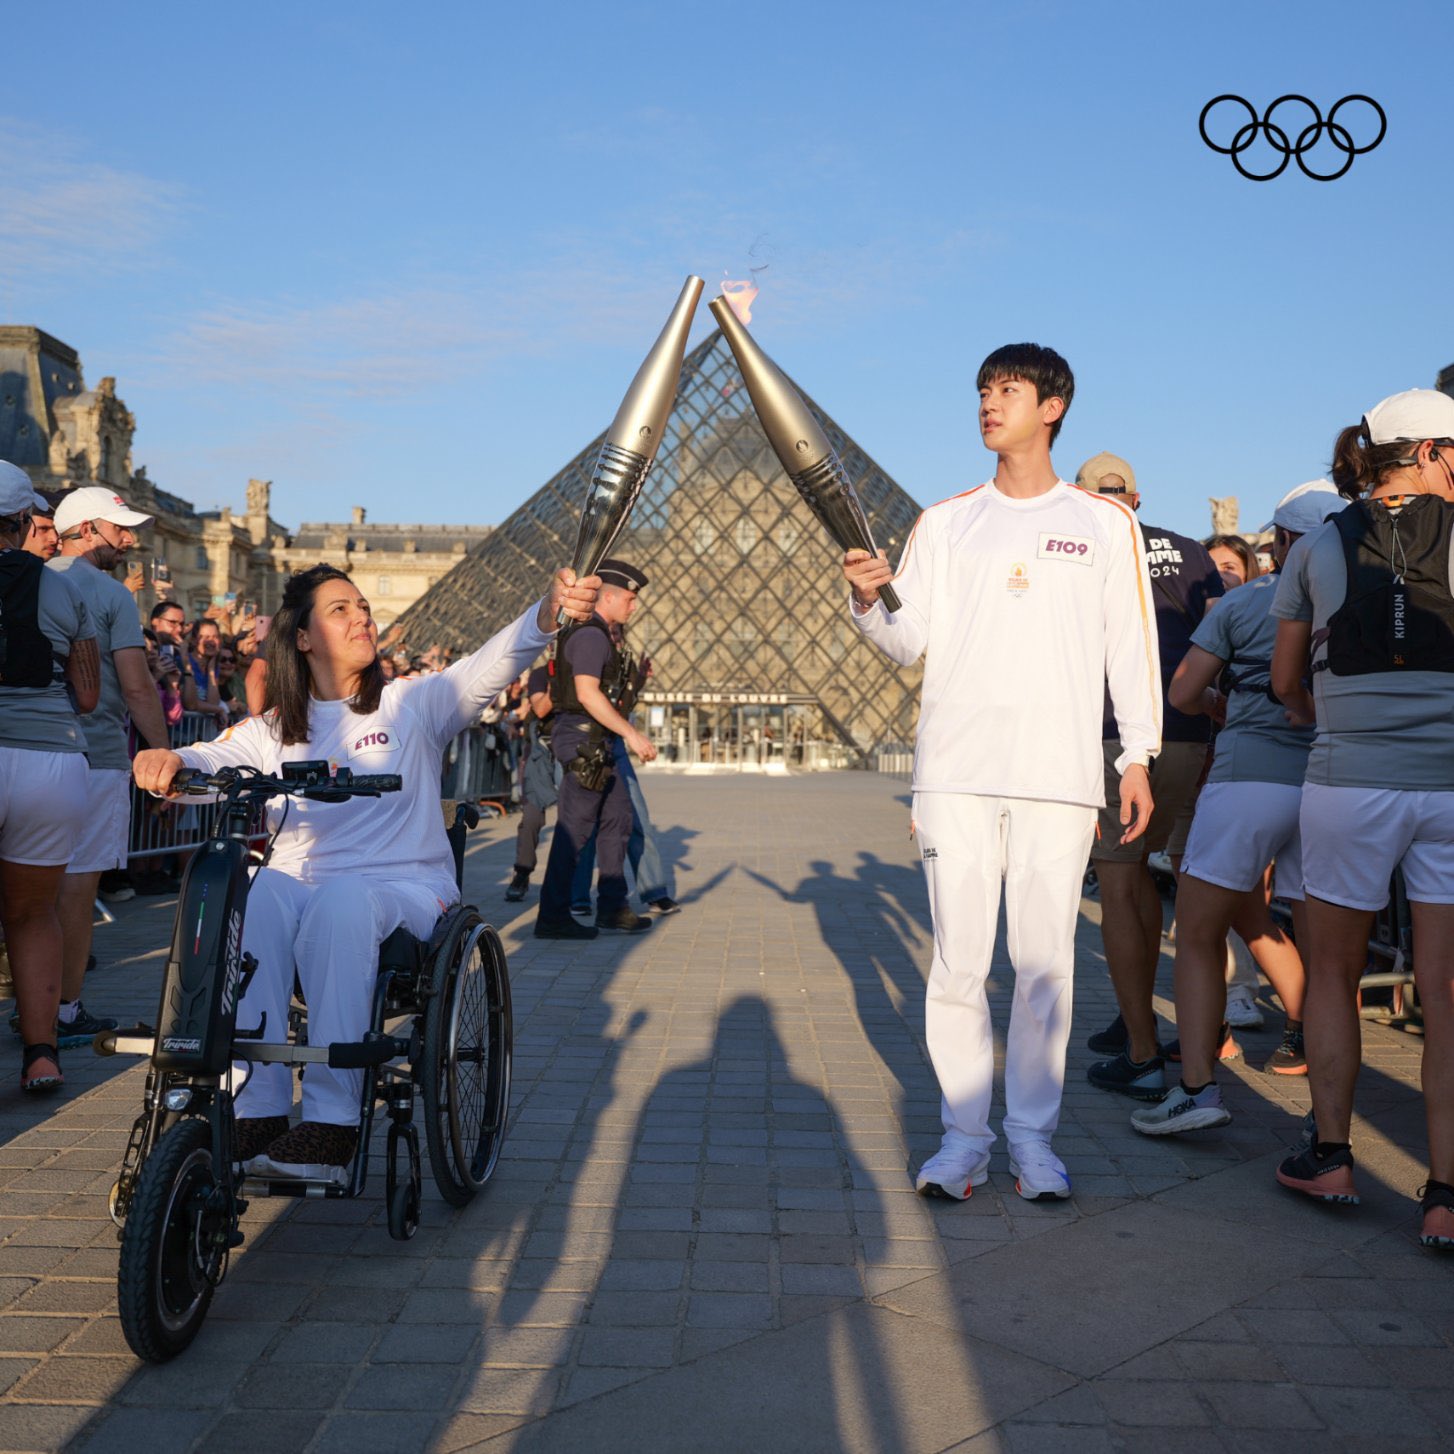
[{"x": 617, "y": 573}]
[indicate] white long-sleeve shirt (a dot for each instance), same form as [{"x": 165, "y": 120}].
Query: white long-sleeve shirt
[
  {"x": 398, "y": 834},
  {"x": 1025, "y": 610}
]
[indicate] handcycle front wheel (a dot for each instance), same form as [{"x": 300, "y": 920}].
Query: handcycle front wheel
[
  {"x": 465, "y": 1059},
  {"x": 165, "y": 1281}
]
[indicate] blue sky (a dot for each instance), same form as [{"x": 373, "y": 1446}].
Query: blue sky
[{"x": 409, "y": 257}]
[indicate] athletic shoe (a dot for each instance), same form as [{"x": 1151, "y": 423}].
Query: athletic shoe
[
  {"x": 583, "y": 909},
  {"x": 563, "y": 929},
  {"x": 1145, "y": 1079},
  {"x": 1325, "y": 1178},
  {"x": 1438, "y": 1209},
  {"x": 516, "y": 888},
  {"x": 664, "y": 906},
  {"x": 1110, "y": 1041},
  {"x": 1178, "y": 1111},
  {"x": 1038, "y": 1171},
  {"x": 625, "y": 921},
  {"x": 118, "y": 891},
  {"x": 1242, "y": 1011},
  {"x": 83, "y": 1028},
  {"x": 255, "y": 1134},
  {"x": 953, "y": 1172},
  {"x": 1229, "y": 1049},
  {"x": 1289, "y": 1057},
  {"x": 311, "y": 1151}
]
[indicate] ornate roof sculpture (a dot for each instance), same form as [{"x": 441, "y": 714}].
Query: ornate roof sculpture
[{"x": 744, "y": 594}]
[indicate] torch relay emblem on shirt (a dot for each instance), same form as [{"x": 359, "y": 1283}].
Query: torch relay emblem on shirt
[{"x": 1079, "y": 548}]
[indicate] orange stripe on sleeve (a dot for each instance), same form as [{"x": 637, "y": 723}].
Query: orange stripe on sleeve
[
  {"x": 909, "y": 544},
  {"x": 1151, "y": 663}
]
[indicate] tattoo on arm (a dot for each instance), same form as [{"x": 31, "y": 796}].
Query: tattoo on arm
[{"x": 83, "y": 672}]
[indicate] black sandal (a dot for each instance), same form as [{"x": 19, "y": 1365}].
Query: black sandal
[{"x": 40, "y": 1083}]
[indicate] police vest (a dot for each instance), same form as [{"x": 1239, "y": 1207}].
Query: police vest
[
  {"x": 27, "y": 658},
  {"x": 1398, "y": 614},
  {"x": 562, "y": 677}
]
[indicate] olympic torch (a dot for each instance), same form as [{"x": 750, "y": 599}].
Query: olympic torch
[
  {"x": 810, "y": 462},
  {"x": 634, "y": 438}
]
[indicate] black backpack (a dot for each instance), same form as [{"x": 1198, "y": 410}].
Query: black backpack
[{"x": 27, "y": 658}]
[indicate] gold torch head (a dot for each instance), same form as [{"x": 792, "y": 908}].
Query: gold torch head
[
  {"x": 640, "y": 422},
  {"x": 795, "y": 435}
]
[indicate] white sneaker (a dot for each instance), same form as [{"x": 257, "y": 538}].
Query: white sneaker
[
  {"x": 1038, "y": 1171},
  {"x": 953, "y": 1171},
  {"x": 1242, "y": 1011},
  {"x": 1177, "y": 1111}
]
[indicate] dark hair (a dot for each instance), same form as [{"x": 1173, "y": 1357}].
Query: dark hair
[
  {"x": 1042, "y": 367},
  {"x": 195, "y": 634},
  {"x": 1359, "y": 465},
  {"x": 52, "y": 501},
  {"x": 289, "y": 683},
  {"x": 1241, "y": 549},
  {"x": 167, "y": 606}
]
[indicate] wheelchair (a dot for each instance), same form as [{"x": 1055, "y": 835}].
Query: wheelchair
[{"x": 180, "y": 1194}]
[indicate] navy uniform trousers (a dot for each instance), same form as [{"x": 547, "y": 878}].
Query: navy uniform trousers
[{"x": 579, "y": 813}]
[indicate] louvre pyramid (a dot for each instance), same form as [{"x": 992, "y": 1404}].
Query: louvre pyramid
[{"x": 745, "y": 593}]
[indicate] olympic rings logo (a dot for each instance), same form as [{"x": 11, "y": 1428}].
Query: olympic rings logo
[{"x": 1278, "y": 135}]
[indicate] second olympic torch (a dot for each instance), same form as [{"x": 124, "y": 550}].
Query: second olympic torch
[
  {"x": 798, "y": 440},
  {"x": 634, "y": 437}
]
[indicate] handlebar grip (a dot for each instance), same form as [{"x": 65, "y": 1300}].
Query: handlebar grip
[{"x": 385, "y": 782}]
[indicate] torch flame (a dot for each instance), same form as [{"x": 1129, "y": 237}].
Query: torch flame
[{"x": 740, "y": 295}]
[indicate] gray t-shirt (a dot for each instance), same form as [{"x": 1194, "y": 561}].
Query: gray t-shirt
[
  {"x": 42, "y": 719},
  {"x": 1258, "y": 744},
  {"x": 112, "y": 612},
  {"x": 1381, "y": 730}
]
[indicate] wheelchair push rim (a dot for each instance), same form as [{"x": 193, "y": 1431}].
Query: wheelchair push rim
[{"x": 467, "y": 1057}]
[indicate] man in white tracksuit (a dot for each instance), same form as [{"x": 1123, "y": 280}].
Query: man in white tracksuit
[{"x": 1028, "y": 596}]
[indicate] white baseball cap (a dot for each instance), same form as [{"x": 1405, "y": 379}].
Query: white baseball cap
[
  {"x": 94, "y": 502},
  {"x": 1305, "y": 507},
  {"x": 1411, "y": 417},
  {"x": 17, "y": 494}
]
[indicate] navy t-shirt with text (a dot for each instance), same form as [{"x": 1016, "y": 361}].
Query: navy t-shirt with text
[{"x": 1183, "y": 579}]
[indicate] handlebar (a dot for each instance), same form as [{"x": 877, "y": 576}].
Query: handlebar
[{"x": 307, "y": 780}]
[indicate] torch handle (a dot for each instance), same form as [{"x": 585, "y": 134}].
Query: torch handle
[{"x": 890, "y": 598}]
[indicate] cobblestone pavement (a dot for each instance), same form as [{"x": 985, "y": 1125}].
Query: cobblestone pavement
[{"x": 703, "y": 1233}]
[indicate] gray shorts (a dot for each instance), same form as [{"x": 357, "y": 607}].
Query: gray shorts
[{"x": 1176, "y": 774}]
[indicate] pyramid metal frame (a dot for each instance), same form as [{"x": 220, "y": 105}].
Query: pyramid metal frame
[{"x": 745, "y": 594}]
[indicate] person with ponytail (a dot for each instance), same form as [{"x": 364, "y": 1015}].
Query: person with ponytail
[
  {"x": 343, "y": 876},
  {"x": 1365, "y": 608}
]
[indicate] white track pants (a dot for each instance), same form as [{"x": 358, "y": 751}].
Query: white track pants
[
  {"x": 969, "y": 844},
  {"x": 330, "y": 932}
]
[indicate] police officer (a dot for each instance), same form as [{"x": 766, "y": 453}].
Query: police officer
[{"x": 591, "y": 675}]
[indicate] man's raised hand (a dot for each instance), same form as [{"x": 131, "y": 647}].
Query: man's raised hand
[{"x": 866, "y": 575}]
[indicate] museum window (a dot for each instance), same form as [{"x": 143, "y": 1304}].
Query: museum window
[{"x": 386, "y": 586}]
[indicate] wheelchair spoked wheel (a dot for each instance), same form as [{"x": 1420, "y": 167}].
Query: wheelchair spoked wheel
[
  {"x": 466, "y": 1059},
  {"x": 169, "y": 1264}
]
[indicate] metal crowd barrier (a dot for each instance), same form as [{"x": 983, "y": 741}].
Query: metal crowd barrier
[
  {"x": 160, "y": 829},
  {"x": 479, "y": 767}
]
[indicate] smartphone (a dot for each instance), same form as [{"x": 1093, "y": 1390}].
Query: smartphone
[
  {"x": 135, "y": 570},
  {"x": 160, "y": 571},
  {"x": 260, "y": 631}
]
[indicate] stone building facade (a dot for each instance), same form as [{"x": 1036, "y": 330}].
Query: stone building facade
[{"x": 64, "y": 434}]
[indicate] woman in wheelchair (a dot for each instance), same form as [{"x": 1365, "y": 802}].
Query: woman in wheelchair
[{"x": 343, "y": 876}]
